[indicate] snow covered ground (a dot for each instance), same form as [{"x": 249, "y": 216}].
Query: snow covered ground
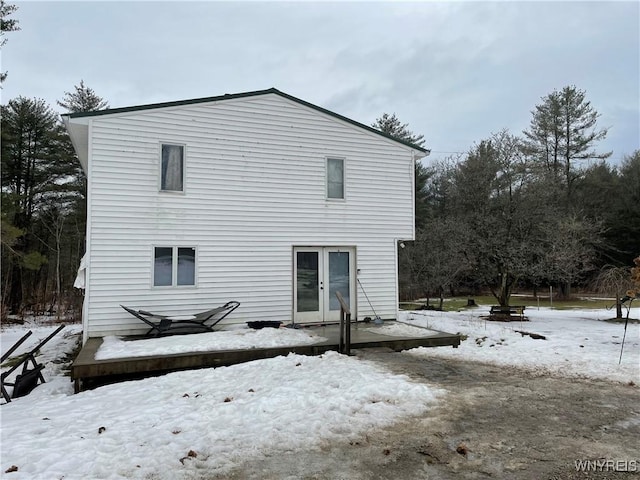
[
  {"x": 579, "y": 343},
  {"x": 197, "y": 423},
  {"x": 186, "y": 424}
]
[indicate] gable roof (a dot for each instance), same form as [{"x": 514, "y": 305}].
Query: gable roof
[{"x": 243, "y": 95}]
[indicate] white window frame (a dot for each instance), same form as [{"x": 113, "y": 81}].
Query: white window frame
[
  {"x": 184, "y": 168},
  {"x": 344, "y": 179},
  {"x": 174, "y": 266}
]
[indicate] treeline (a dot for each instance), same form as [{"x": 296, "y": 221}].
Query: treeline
[
  {"x": 43, "y": 205},
  {"x": 531, "y": 211},
  {"x": 543, "y": 208}
]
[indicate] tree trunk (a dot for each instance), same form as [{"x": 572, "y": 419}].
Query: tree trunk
[
  {"x": 618, "y": 306},
  {"x": 15, "y": 290},
  {"x": 505, "y": 290}
]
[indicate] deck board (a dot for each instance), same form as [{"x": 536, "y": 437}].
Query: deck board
[{"x": 86, "y": 371}]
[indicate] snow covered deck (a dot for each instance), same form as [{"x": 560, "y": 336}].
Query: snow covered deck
[{"x": 109, "y": 359}]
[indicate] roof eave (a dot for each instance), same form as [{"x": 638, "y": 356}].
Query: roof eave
[
  {"x": 112, "y": 111},
  {"x": 79, "y": 133}
]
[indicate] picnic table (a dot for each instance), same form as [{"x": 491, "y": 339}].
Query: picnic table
[{"x": 500, "y": 312}]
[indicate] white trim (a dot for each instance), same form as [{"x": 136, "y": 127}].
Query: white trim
[
  {"x": 87, "y": 240},
  {"x": 303, "y": 317},
  {"x": 324, "y": 314},
  {"x": 174, "y": 267},
  {"x": 184, "y": 168},
  {"x": 344, "y": 178},
  {"x": 332, "y": 315},
  {"x": 397, "y": 277},
  {"x": 413, "y": 197}
]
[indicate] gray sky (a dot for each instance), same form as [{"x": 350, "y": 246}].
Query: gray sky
[{"x": 454, "y": 71}]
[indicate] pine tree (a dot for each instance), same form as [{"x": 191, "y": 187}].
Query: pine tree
[
  {"x": 83, "y": 99},
  {"x": 6, "y": 25},
  {"x": 36, "y": 172},
  {"x": 390, "y": 125},
  {"x": 562, "y": 132}
]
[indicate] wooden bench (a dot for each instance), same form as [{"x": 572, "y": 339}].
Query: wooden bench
[{"x": 500, "y": 312}]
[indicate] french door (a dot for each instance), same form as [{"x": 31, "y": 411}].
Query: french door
[{"x": 318, "y": 273}]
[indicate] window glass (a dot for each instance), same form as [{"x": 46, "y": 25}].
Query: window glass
[
  {"x": 163, "y": 266},
  {"x": 307, "y": 274},
  {"x": 335, "y": 178},
  {"x": 172, "y": 175},
  {"x": 174, "y": 266},
  {"x": 338, "y": 278},
  {"x": 186, "y": 266}
]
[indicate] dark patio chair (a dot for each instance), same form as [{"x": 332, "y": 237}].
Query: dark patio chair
[
  {"x": 30, "y": 376},
  {"x": 162, "y": 325}
]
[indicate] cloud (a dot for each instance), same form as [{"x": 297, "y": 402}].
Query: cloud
[{"x": 455, "y": 71}]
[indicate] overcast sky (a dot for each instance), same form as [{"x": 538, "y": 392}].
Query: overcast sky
[{"x": 454, "y": 71}]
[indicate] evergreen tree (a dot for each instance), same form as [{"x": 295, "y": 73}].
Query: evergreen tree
[
  {"x": 390, "y": 125},
  {"x": 563, "y": 132},
  {"x": 6, "y": 25},
  {"x": 36, "y": 172},
  {"x": 83, "y": 99},
  {"x": 625, "y": 225}
]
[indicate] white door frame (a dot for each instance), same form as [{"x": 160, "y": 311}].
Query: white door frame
[{"x": 316, "y": 278}]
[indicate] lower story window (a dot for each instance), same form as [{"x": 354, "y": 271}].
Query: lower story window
[{"x": 174, "y": 266}]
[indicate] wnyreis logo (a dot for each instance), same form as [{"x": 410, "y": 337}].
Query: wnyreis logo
[{"x": 602, "y": 465}]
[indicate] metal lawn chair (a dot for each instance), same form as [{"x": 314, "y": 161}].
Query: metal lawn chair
[
  {"x": 162, "y": 325},
  {"x": 30, "y": 376}
]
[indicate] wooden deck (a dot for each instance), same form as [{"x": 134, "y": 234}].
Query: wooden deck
[{"x": 87, "y": 372}]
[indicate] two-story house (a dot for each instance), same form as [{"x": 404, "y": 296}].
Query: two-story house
[{"x": 258, "y": 197}]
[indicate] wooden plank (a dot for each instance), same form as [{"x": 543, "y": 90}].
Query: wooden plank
[{"x": 85, "y": 367}]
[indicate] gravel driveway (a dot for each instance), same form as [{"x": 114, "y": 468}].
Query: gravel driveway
[{"x": 495, "y": 422}]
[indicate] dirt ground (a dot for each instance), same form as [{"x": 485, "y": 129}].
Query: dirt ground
[{"x": 494, "y": 422}]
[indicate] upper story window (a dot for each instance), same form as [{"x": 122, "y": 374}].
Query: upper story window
[
  {"x": 174, "y": 266},
  {"x": 335, "y": 178},
  {"x": 172, "y": 168}
]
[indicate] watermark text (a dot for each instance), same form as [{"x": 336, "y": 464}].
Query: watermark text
[{"x": 604, "y": 465}]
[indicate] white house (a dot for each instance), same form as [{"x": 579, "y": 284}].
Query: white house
[{"x": 258, "y": 197}]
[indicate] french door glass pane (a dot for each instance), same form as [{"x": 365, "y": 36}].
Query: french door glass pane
[
  {"x": 308, "y": 298},
  {"x": 338, "y": 278},
  {"x": 162, "y": 267},
  {"x": 186, "y": 266}
]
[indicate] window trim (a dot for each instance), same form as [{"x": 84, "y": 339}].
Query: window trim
[
  {"x": 344, "y": 179},
  {"x": 174, "y": 266},
  {"x": 184, "y": 168}
]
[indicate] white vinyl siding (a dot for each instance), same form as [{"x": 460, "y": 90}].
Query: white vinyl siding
[{"x": 257, "y": 186}]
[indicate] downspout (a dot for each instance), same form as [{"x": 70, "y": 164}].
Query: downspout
[{"x": 415, "y": 156}]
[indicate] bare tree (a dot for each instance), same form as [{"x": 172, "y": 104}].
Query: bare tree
[
  {"x": 493, "y": 200},
  {"x": 614, "y": 281},
  {"x": 570, "y": 252},
  {"x": 53, "y": 220},
  {"x": 434, "y": 261}
]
